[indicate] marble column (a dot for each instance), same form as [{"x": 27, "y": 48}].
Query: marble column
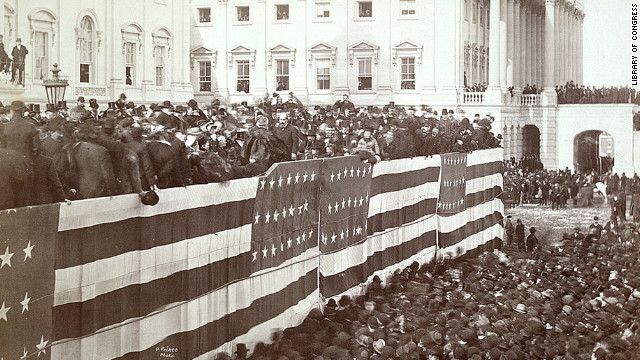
[
  {"x": 534, "y": 48},
  {"x": 581, "y": 50},
  {"x": 567, "y": 48},
  {"x": 523, "y": 46},
  {"x": 516, "y": 45},
  {"x": 549, "y": 46},
  {"x": 503, "y": 44},
  {"x": 510, "y": 43},
  {"x": 494, "y": 45},
  {"x": 529, "y": 41}
]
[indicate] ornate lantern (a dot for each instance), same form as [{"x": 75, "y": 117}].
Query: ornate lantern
[{"x": 55, "y": 87}]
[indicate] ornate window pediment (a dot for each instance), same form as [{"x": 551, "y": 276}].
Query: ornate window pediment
[
  {"x": 364, "y": 48},
  {"x": 281, "y": 52},
  {"x": 407, "y": 48},
  {"x": 162, "y": 37},
  {"x": 324, "y": 50},
  {"x": 132, "y": 33},
  {"x": 241, "y": 51},
  {"x": 202, "y": 53},
  {"x": 42, "y": 20}
]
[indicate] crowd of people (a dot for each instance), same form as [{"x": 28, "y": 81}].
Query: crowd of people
[
  {"x": 526, "y": 182},
  {"x": 576, "y": 300},
  {"x": 81, "y": 152},
  {"x": 571, "y": 93}
]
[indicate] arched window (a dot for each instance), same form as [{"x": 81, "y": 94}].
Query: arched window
[{"x": 86, "y": 43}]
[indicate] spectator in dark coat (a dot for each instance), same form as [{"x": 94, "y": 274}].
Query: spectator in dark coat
[
  {"x": 47, "y": 186},
  {"x": 288, "y": 134},
  {"x": 136, "y": 144},
  {"x": 12, "y": 178},
  {"x": 92, "y": 164},
  {"x": 520, "y": 234},
  {"x": 532, "y": 240},
  {"x": 164, "y": 159}
]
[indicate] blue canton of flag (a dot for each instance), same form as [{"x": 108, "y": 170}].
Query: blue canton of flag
[
  {"x": 452, "y": 183},
  {"x": 285, "y": 217},
  {"x": 27, "y": 281},
  {"x": 344, "y": 202}
]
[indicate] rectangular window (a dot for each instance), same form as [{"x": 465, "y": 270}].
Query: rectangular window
[
  {"x": 159, "y": 55},
  {"x": 473, "y": 11},
  {"x": 282, "y": 75},
  {"x": 85, "y": 72},
  {"x": 41, "y": 55},
  {"x": 407, "y": 7},
  {"x": 243, "y": 13},
  {"x": 129, "y": 63},
  {"x": 365, "y": 9},
  {"x": 365, "y": 78},
  {"x": 323, "y": 74},
  {"x": 204, "y": 15},
  {"x": 204, "y": 78},
  {"x": 466, "y": 10},
  {"x": 323, "y": 10},
  {"x": 408, "y": 73},
  {"x": 243, "y": 76},
  {"x": 282, "y": 12}
]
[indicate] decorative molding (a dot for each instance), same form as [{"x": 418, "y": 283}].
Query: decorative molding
[
  {"x": 202, "y": 53},
  {"x": 321, "y": 49},
  {"x": 364, "y": 47},
  {"x": 41, "y": 19},
  {"x": 132, "y": 33},
  {"x": 162, "y": 37},
  {"x": 281, "y": 52},
  {"x": 243, "y": 52},
  {"x": 407, "y": 48}
]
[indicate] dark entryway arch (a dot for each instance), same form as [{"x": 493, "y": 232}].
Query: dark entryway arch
[
  {"x": 531, "y": 140},
  {"x": 593, "y": 150}
]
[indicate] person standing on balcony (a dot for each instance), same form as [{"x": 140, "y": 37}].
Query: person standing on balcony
[
  {"x": 4, "y": 57},
  {"x": 19, "y": 53}
]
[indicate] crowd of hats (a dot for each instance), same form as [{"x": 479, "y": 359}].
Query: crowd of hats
[
  {"x": 576, "y": 301},
  {"x": 572, "y": 93},
  {"x": 210, "y": 141}
]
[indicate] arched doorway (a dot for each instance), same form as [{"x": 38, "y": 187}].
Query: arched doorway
[
  {"x": 593, "y": 150},
  {"x": 531, "y": 140}
]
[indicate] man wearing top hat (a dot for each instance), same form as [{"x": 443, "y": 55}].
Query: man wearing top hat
[
  {"x": 78, "y": 112},
  {"x": 19, "y": 53},
  {"x": 62, "y": 108},
  {"x": 122, "y": 101}
]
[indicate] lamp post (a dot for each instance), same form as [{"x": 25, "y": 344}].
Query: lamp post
[{"x": 55, "y": 87}]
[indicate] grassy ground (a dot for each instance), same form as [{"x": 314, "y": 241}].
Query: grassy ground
[{"x": 550, "y": 224}]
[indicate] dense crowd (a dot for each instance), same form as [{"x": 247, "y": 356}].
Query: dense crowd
[
  {"x": 571, "y": 93},
  {"x": 577, "y": 299},
  {"x": 82, "y": 152},
  {"x": 526, "y": 182}
]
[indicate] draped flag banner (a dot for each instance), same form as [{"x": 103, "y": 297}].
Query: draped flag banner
[{"x": 214, "y": 265}]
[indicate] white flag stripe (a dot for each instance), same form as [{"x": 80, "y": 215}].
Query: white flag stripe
[
  {"x": 484, "y": 156},
  {"x": 473, "y": 241},
  {"x": 400, "y": 166},
  {"x": 453, "y": 222},
  {"x": 394, "y": 200},
  {"x": 334, "y": 263},
  {"x": 424, "y": 256},
  {"x": 116, "y": 340},
  {"x": 483, "y": 183},
  {"x": 311, "y": 253},
  {"x": 293, "y": 316},
  {"x": 91, "y": 212},
  {"x": 84, "y": 282}
]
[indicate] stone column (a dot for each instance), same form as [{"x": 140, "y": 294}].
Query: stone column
[
  {"x": 518, "y": 142},
  {"x": 523, "y": 45},
  {"x": 503, "y": 44},
  {"x": 510, "y": 43},
  {"x": 529, "y": 54},
  {"x": 516, "y": 45},
  {"x": 534, "y": 47},
  {"x": 494, "y": 45},
  {"x": 581, "y": 50},
  {"x": 549, "y": 48}
]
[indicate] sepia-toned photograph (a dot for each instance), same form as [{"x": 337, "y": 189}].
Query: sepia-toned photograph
[{"x": 320, "y": 179}]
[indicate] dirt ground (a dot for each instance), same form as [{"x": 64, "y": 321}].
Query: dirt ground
[{"x": 551, "y": 224}]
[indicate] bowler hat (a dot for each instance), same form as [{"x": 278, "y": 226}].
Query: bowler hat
[
  {"x": 150, "y": 198},
  {"x": 17, "y": 105}
]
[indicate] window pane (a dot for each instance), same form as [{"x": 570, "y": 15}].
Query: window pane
[
  {"x": 159, "y": 58},
  {"x": 322, "y": 10},
  {"x": 365, "y": 9},
  {"x": 282, "y": 12},
  {"x": 204, "y": 15},
  {"x": 408, "y": 75},
  {"x": 323, "y": 74},
  {"x": 243, "y": 13},
  {"x": 41, "y": 56},
  {"x": 243, "y": 76},
  {"x": 407, "y": 7},
  {"x": 84, "y": 73},
  {"x": 282, "y": 75}
]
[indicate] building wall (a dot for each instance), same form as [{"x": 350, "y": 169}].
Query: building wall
[
  {"x": 146, "y": 23},
  {"x": 431, "y": 34}
]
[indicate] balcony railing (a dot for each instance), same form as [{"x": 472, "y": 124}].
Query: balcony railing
[
  {"x": 473, "y": 98},
  {"x": 530, "y": 100}
]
